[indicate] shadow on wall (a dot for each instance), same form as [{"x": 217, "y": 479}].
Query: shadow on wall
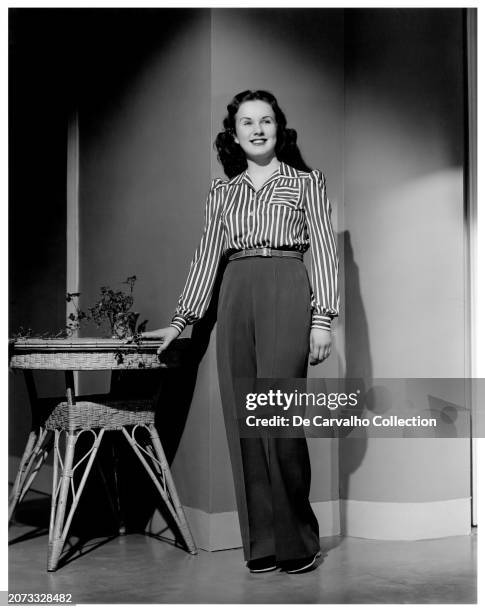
[
  {"x": 358, "y": 366},
  {"x": 138, "y": 496}
]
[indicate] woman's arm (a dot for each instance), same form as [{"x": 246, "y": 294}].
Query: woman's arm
[
  {"x": 197, "y": 291},
  {"x": 325, "y": 263}
]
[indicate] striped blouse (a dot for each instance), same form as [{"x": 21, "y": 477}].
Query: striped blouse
[{"x": 290, "y": 210}]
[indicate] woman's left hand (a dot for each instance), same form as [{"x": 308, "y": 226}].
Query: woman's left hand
[{"x": 320, "y": 345}]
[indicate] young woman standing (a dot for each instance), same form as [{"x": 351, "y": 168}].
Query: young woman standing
[{"x": 271, "y": 317}]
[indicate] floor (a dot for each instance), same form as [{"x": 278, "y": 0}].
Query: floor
[{"x": 136, "y": 568}]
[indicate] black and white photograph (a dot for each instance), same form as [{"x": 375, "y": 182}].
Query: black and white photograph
[{"x": 243, "y": 323}]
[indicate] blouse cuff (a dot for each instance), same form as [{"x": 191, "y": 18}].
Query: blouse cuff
[
  {"x": 322, "y": 321},
  {"x": 179, "y": 322}
]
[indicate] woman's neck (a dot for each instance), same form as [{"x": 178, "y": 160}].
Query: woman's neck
[{"x": 264, "y": 168}]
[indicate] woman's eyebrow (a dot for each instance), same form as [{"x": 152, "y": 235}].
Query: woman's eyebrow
[{"x": 263, "y": 117}]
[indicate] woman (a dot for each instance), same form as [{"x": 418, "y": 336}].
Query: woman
[{"x": 270, "y": 317}]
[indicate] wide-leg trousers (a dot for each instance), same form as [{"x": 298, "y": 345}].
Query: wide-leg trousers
[{"x": 263, "y": 327}]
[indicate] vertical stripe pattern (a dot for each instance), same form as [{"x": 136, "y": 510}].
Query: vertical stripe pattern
[{"x": 290, "y": 210}]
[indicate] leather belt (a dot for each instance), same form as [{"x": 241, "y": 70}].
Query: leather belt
[{"x": 265, "y": 252}]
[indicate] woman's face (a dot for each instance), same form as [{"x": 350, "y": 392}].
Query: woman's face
[{"x": 256, "y": 129}]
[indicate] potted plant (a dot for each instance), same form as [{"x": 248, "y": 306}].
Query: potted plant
[{"x": 114, "y": 307}]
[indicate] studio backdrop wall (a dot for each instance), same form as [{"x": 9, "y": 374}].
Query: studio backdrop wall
[{"x": 377, "y": 98}]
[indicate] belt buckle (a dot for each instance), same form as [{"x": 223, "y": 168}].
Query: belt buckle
[{"x": 265, "y": 252}]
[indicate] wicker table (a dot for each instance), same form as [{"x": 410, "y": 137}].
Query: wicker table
[{"x": 90, "y": 415}]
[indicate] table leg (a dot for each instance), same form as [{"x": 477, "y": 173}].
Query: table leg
[
  {"x": 22, "y": 473},
  {"x": 55, "y": 485},
  {"x": 162, "y": 479},
  {"x": 40, "y": 453},
  {"x": 70, "y": 388},
  {"x": 183, "y": 524},
  {"x": 58, "y": 509},
  {"x": 59, "y": 527},
  {"x": 35, "y": 452}
]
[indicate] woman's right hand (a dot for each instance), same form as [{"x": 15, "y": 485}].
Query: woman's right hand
[{"x": 166, "y": 334}]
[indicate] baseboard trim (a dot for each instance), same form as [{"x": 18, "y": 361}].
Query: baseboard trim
[
  {"x": 405, "y": 520},
  {"x": 220, "y": 530},
  {"x": 360, "y": 519}
]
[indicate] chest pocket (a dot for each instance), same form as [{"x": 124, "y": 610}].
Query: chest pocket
[{"x": 288, "y": 196}]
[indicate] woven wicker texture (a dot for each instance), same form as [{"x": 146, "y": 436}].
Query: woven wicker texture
[
  {"x": 110, "y": 414},
  {"x": 108, "y": 360}
]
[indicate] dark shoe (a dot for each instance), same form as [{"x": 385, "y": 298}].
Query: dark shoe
[
  {"x": 300, "y": 566},
  {"x": 265, "y": 564}
]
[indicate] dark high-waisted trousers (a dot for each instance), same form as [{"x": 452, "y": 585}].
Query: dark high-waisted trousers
[{"x": 263, "y": 327}]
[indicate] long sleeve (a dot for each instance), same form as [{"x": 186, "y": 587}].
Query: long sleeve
[
  {"x": 324, "y": 271},
  {"x": 197, "y": 291}
]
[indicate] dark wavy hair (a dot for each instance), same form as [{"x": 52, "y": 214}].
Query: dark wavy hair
[{"x": 231, "y": 155}]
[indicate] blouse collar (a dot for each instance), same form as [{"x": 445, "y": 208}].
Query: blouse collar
[{"x": 282, "y": 170}]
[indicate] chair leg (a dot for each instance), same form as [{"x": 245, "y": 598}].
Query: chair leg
[
  {"x": 40, "y": 454},
  {"x": 60, "y": 492},
  {"x": 20, "y": 478},
  {"x": 160, "y": 474},
  {"x": 184, "y": 525},
  {"x": 33, "y": 457},
  {"x": 55, "y": 484}
]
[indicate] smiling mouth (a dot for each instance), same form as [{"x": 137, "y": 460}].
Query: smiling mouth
[{"x": 259, "y": 141}]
